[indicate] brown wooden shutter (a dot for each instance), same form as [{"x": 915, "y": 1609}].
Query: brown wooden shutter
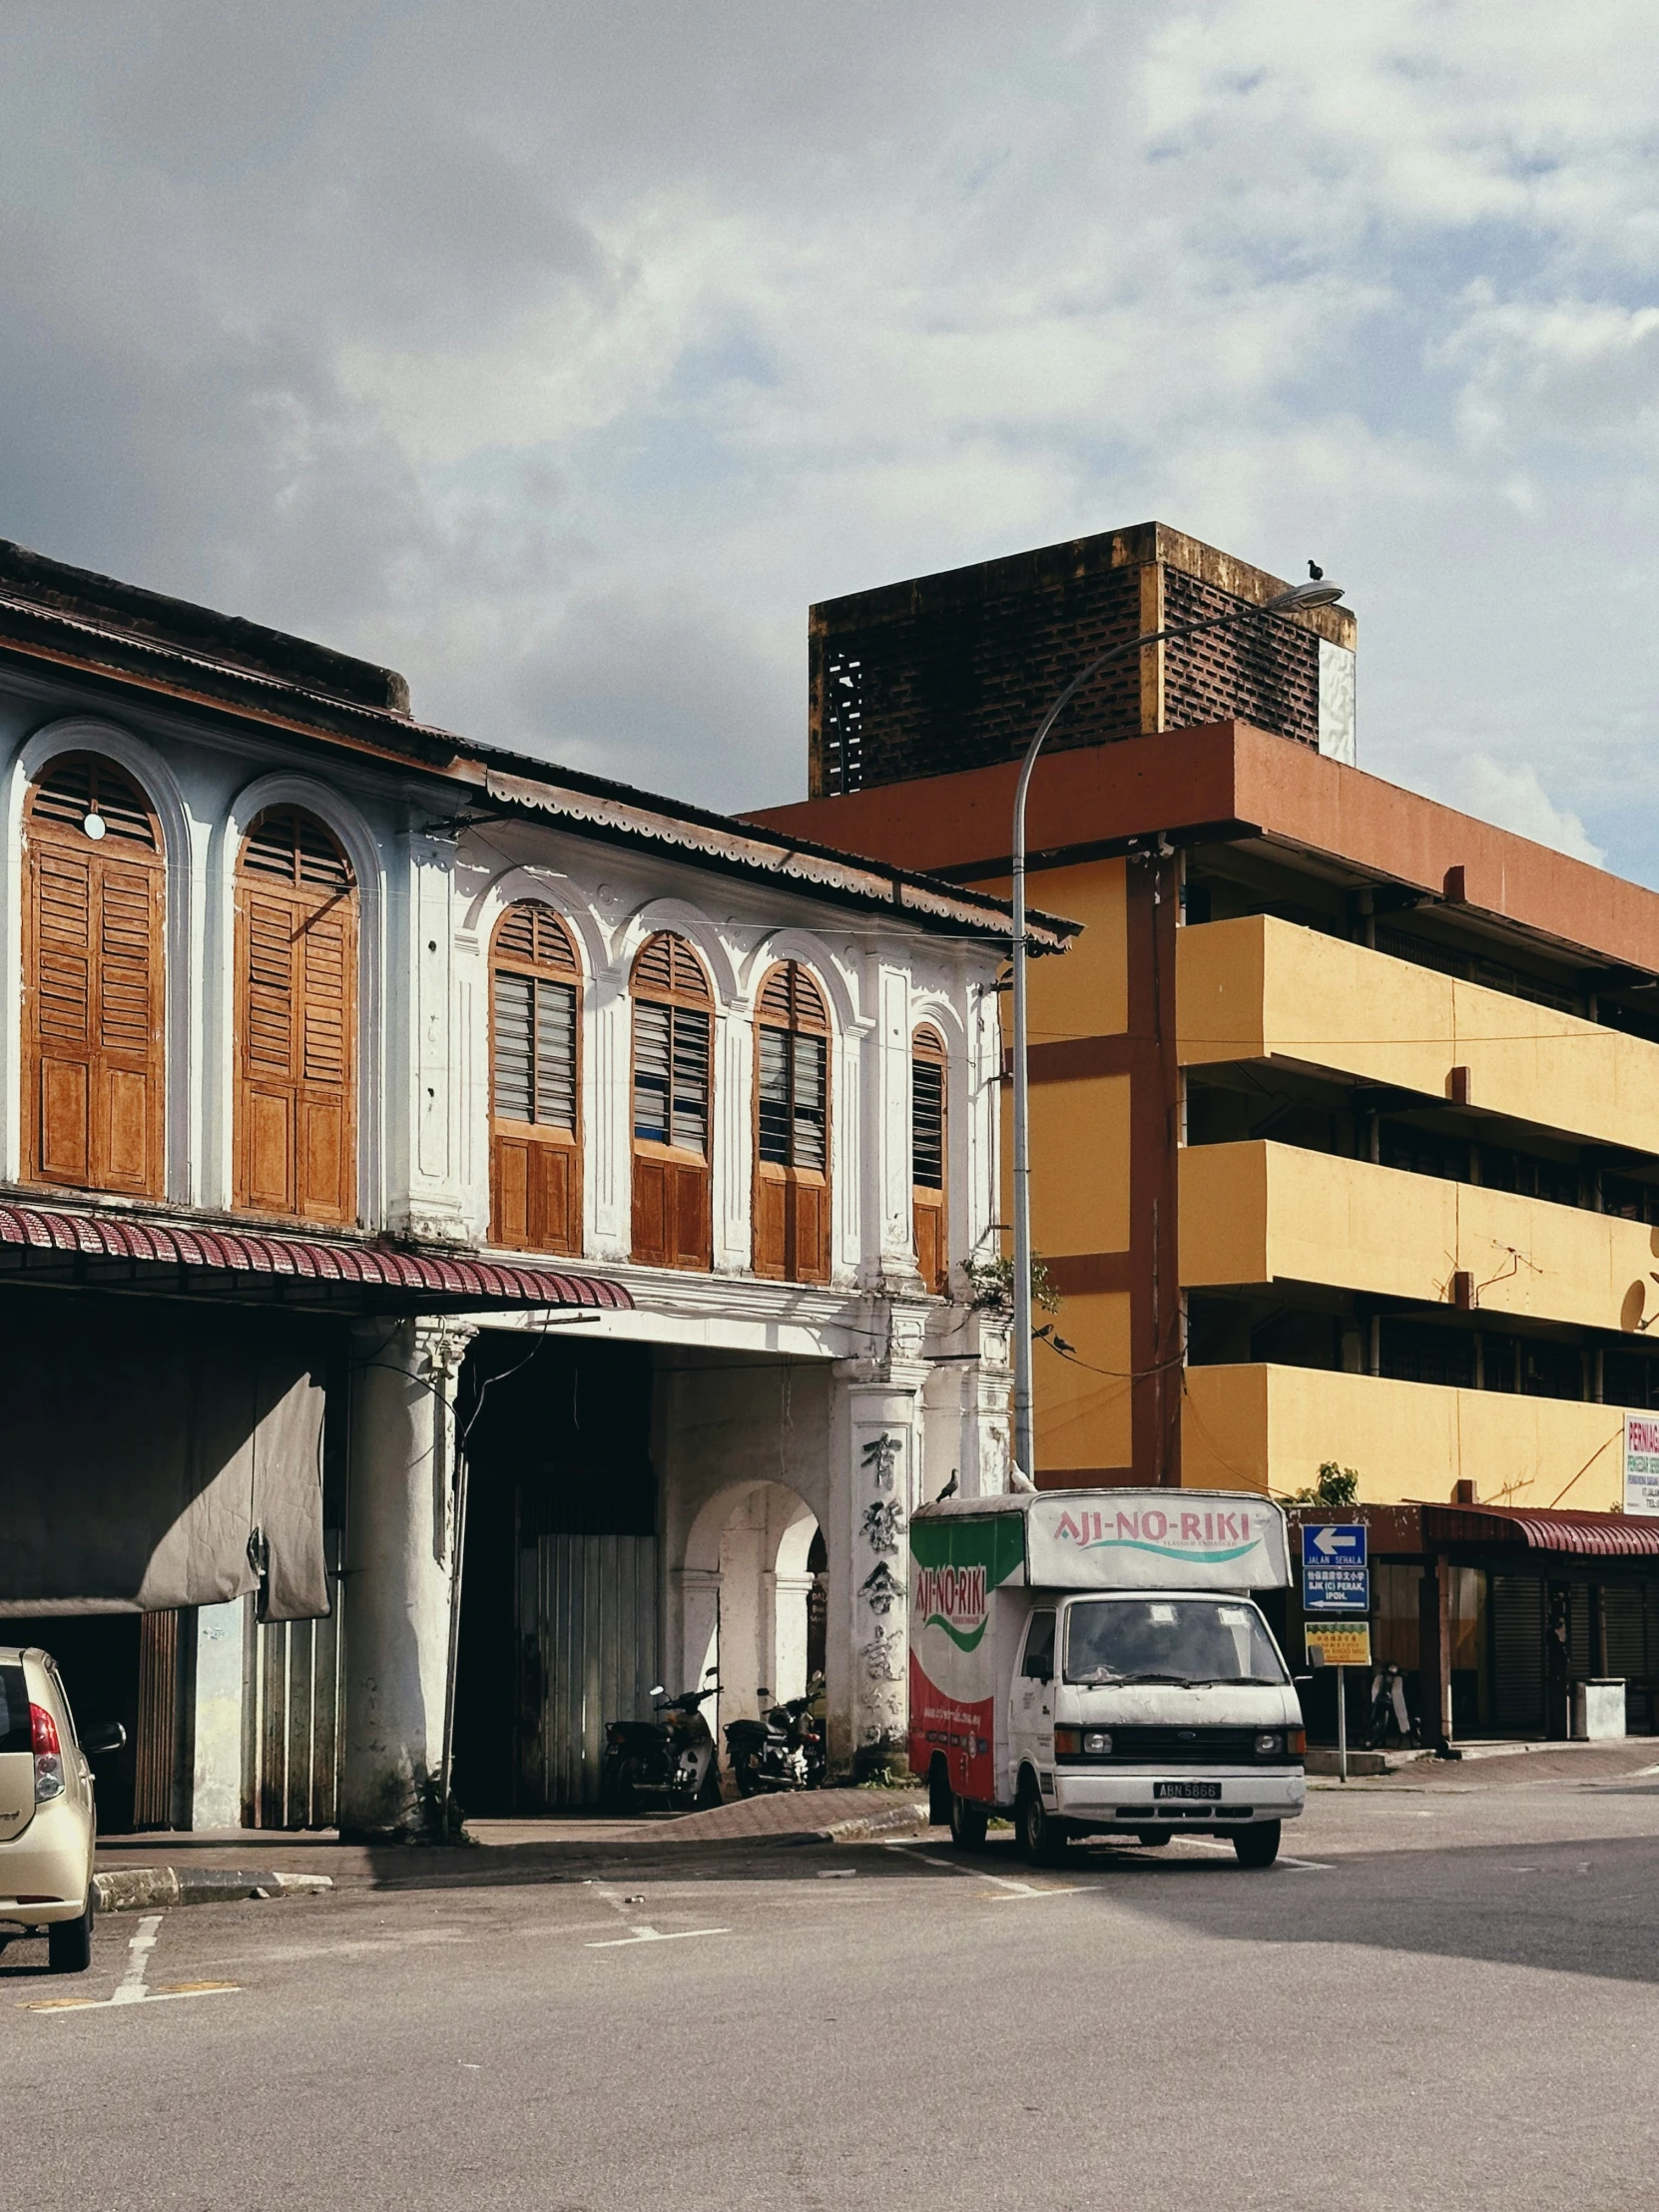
[
  {"x": 929, "y": 1210},
  {"x": 94, "y": 982},
  {"x": 672, "y": 1093},
  {"x": 791, "y": 1128},
  {"x": 296, "y": 973},
  {"x": 535, "y": 1082}
]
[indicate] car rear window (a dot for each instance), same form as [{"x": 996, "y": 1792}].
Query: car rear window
[{"x": 14, "y": 1711}]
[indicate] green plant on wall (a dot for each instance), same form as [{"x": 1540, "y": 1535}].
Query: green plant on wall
[
  {"x": 991, "y": 1285},
  {"x": 1336, "y": 1486}
]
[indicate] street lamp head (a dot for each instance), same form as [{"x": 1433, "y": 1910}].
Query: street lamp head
[{"x": 1300, "y": 597}]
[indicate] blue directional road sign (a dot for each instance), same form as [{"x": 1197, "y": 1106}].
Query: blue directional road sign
[{"x": 1335, "y": 1575}]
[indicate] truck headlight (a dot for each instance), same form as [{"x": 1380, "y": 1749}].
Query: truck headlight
[
  {"x": 1099, "y": 1741},
  {"x": 1269, "y": 1743}
]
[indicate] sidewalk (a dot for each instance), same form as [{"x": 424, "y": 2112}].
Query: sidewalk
[
  {"x": 1500, "y": 1762},
  {"x": 551, "y": 1850}
]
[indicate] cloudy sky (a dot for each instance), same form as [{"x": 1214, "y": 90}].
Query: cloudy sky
[{"x": 561, "y": 355}]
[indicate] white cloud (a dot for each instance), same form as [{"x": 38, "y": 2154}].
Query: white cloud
[{"x": 560, "y": 355}]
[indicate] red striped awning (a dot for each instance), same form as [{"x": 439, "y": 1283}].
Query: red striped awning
[
  {"x": 1535, "y": 1528},
  {"x": 188, "y": 1259}
]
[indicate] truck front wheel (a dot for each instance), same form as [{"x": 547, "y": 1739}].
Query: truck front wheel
[
  {"x": 1258, "y": 1844},
  {"x": 968, "y": 1823},
  {"x": 1042, "y": 1839}
]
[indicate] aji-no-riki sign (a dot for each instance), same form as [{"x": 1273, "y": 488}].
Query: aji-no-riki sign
[
  {"x": 1641, "y": 1463},
  {"x": 1149, "y": 1539}
]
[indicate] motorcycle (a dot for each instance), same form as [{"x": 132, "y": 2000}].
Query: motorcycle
[
  {"x": 783, "y": 1750},
  {"x": 669, "y": 1762}
]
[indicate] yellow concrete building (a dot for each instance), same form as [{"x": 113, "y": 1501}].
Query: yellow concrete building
[{"x": 1345, "y": 1105}]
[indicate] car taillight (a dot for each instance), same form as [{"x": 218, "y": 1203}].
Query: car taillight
[{"x": 43, "y": 1735}]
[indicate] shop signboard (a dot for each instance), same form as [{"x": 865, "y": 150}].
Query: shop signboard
[
  {"x": 1641, "y": 1463},
  {"x": 1338, "y": 1643}
]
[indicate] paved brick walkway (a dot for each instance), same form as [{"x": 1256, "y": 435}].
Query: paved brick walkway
[{"x": 800, "y": 1812}]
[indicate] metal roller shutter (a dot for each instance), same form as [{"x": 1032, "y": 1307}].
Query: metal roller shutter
[{"x": 1517, "y": 1654}]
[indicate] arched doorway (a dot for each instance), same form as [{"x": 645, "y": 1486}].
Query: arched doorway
[{"x": 751, "y": 1567}]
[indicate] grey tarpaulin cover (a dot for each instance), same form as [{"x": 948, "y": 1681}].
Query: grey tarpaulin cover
[{"x": 142, "y": 1447}]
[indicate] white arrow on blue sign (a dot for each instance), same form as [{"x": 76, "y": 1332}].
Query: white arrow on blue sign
[
  {"x": 1334, "y": 1577},
  {"x": 1333, "y": 1541}
]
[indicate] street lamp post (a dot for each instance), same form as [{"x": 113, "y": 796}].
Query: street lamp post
[{"x": 1299, "y": 598}]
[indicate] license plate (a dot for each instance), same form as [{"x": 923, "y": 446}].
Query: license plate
[{"x": 1208, "y": 1791}]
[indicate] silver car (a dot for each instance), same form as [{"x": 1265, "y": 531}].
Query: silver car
[{"x": 48, "y": 1825}]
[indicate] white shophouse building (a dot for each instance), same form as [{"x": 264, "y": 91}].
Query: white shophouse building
[{"x": 482, "y": 1240}]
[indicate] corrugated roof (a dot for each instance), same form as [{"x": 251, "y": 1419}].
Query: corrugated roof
[
  {"x": 134, "y": 1251},
  {"x": 618, "y": 810},
  {"x": 1536, "y": 1528},
  {"x": 494, "y": 776}
]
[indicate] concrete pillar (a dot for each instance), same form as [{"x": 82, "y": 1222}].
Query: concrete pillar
[
  {"x": 789, "y": 1593},
  {"x": 877, "y": 1477},
  {"x": 967, "y": 1406},
  {"x": 1434, "y": 1651},
  {"x": 215, "y": 1778},
  {"x": 697, "y": 1593},
  {"x": 401, "y": 1557}
]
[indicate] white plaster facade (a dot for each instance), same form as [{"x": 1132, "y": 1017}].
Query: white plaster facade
[{"x": 784, "y": 1407}]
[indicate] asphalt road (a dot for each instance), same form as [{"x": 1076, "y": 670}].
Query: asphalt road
[{"x": 1446, "y": 1997}]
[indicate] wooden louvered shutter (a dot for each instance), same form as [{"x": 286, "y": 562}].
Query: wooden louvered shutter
[
  {"x": 94, "y": 982},
  {"x": 929, "y": 1211},
  {"x": 535, "y": 1082},
  {"x": 673, "y": 1098},
  {"x": 791, "y": 1128},
  {"x": 297, "y": 966}
]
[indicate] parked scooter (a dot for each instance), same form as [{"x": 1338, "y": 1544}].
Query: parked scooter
[
  {"x": 785, "y": 1749},
  {"x": 669, "y": 1761}
]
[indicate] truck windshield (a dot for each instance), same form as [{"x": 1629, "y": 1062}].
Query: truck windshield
[{"x": 1169, "y": 1639}]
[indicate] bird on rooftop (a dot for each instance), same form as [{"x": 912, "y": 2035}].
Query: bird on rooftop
[{"x": 949, "y": 1489}]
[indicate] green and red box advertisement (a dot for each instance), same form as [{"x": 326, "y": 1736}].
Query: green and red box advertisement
[{"x": 957, "y": 1566}]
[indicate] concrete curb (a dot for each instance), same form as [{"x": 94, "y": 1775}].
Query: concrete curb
[
  {"x": 1325, "y": 1762},
  {"x": 145, "y": 1889},
  {"x": 885, "y": 1823}
]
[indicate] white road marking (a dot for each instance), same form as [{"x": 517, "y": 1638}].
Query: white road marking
[
  {"x": 639, "y": 1932},
  {"x": 131, "y": 1990},
  {"x": 132, "y": 1987},
  {"x": 1012, "y": 1889},
  {"x": 56, "y": 2006},
  {"x": 651, "y": 1935},
  {"x": 927, "y": 1860}
]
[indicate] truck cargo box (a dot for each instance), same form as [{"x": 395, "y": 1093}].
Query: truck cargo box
[{"x": 977, "y": 1565}]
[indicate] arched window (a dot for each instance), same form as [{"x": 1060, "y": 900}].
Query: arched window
[
  {"x": 297, "y": 1021},
  {"x": 927, "y": 1157},
  {"x": 791, "y": 1128},
  {"x": 94, "y": 981},
  {"x": 535, "y": 1130},
  {"x": 673, "y": 1096}
]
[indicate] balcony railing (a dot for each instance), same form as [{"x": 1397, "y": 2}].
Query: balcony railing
[
  {"x": 1261, "y": 989},
  {"x": 1263, "y": 1427},
  {"x": 1263, "y": 1213}
]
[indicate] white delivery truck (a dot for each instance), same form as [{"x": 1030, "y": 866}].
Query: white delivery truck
[{"x": 1092, "y": 1663}]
